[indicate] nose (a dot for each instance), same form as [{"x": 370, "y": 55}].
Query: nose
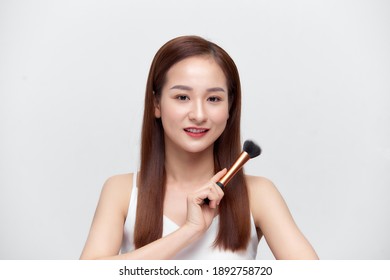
[{"x": 197, "y": 113}]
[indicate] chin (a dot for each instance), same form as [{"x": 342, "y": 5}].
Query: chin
[{"x": 197, "y": 148}]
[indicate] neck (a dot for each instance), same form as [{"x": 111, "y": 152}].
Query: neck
[{"x": 189, "y": 170}]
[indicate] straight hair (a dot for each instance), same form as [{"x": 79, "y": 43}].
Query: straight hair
[{"x": 234, "y": 213}]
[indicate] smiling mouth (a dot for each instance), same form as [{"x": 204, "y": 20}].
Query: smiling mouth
[{"x": 196, "y": 130}]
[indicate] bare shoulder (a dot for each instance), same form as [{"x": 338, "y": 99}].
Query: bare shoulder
[
  {"x": 273, "y": 218},
  {"x": 121, "y": 181},
  {"x": 117, "y": 190},
  {"x": 257, "y": 182},
  {"x": 260, "y": 187},
  {"x": 263, "y": 196},
  {"x": 106, "y": 231}
]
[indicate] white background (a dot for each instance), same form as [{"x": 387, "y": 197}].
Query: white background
[{"x": 316, "y": 97}]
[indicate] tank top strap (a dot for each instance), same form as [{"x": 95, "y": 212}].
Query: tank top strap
[
  {"x": 128, "y": 233},
  {"x": 134, "y": 180},
  {"x": 134, "y": 194}
]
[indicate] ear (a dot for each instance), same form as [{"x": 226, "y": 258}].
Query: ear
[{"x": 157, "y": 110}]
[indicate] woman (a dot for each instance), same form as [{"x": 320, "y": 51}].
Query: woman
[{"x": 190, "y": 135}]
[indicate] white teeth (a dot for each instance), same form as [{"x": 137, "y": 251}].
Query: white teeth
[{"x": 194, "y": 130}]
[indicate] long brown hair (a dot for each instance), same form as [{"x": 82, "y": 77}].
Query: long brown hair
[{"x": 234, "y": 213}]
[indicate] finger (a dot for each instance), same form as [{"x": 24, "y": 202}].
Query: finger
[
  {"x": 219, "y": 175},
  {"x": 215, "y": 195},
  {"x": 207, "y": 193},
  {"x": 213, "y": 198},
  {"x": 220, "y": 193},
  {"x": 213, "y": 181}
]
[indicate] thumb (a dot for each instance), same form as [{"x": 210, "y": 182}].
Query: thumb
[{"x": 219, "y": 175}]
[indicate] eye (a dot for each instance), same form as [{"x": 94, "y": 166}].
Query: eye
[
  {"x": 182, "y": 97},
  {"x": 214, "y": 99}
]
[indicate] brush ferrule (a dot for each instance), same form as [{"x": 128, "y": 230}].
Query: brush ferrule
[{"x": 242, "y": 159}]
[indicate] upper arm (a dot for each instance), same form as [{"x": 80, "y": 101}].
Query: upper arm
[
  {"x": 105, "y": 236},
  {"x": 273, "y": 217}
]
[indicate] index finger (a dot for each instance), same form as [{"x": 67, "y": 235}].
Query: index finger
[{"x": 219, "y": 175}]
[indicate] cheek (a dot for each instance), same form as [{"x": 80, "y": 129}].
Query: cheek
[
  {"x": 221, "y": 116},
  {"x": 172, "y": 113},
  {"x": 171, "y": 118}
]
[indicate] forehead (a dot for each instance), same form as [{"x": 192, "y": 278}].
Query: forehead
[{"x": 196, "y": 69}]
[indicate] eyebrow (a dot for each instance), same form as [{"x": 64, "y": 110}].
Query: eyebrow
[
  {"x": 181, "y": 87},
  {"x": 215, "y": 89},
  {"x": 187, "y": 88}
]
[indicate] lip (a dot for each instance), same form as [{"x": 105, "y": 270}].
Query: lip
[{"x": 196, "y": 132}]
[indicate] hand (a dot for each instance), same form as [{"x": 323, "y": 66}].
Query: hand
[{"x": 200, "y": 215}]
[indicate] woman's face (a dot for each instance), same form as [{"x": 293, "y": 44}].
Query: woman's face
[{"x": 193, "y": 106}]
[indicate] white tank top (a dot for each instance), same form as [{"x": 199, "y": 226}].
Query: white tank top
[{"x": 202, "y": 249}]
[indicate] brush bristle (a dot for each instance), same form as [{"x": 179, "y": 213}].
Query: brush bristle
[{"x": 251, "y": 148}]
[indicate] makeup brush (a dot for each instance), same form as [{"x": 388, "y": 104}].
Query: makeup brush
[{"x": 250, "y": 150}]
